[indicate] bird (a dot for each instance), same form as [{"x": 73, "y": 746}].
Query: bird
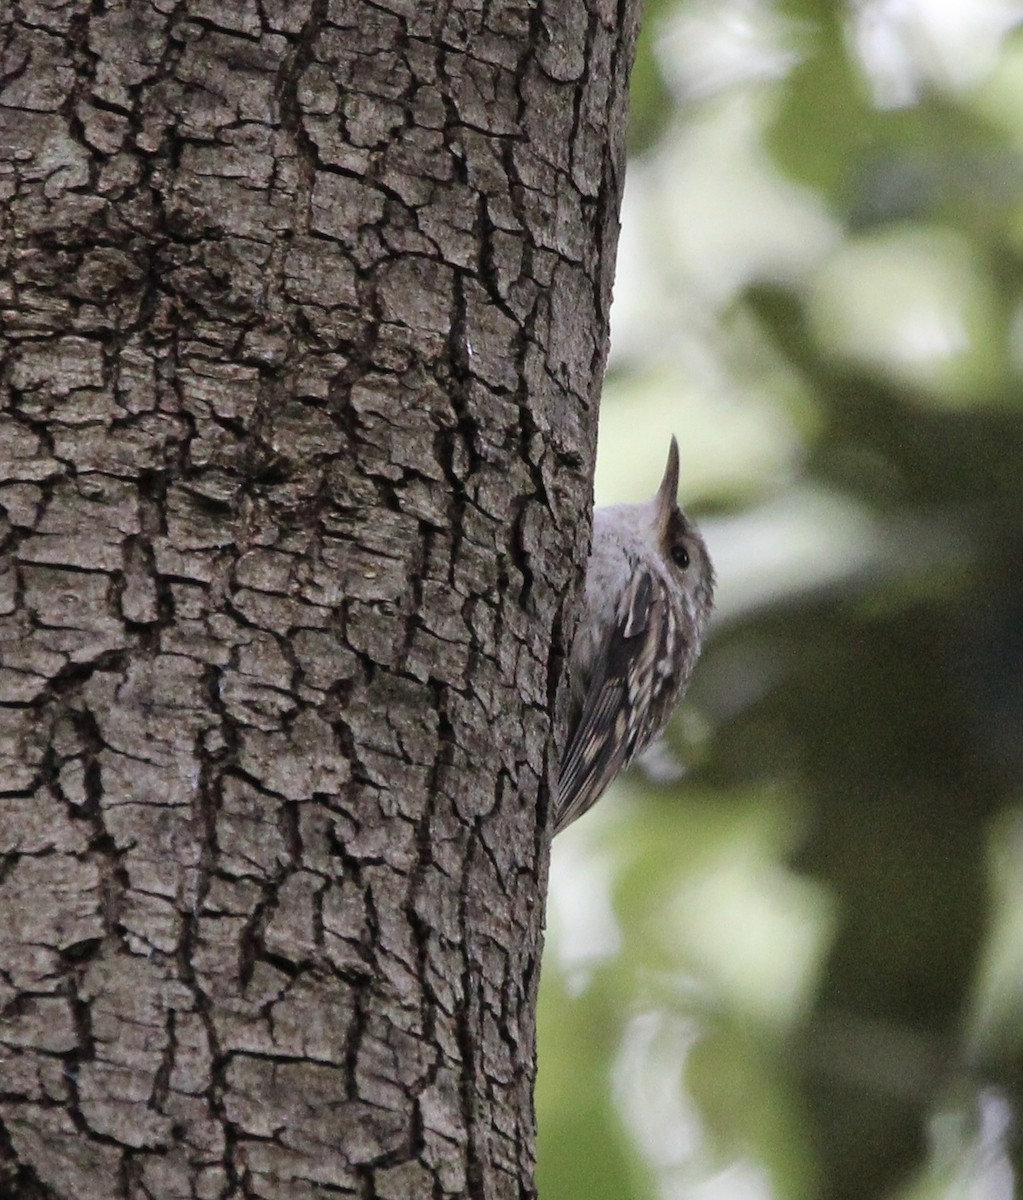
[{"x": 648, "y": 594}]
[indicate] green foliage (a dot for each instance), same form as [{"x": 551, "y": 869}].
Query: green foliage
[{"x": 798, "y": 971}]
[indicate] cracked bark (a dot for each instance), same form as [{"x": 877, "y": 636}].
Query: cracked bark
[{"x": 304, "y": 315}]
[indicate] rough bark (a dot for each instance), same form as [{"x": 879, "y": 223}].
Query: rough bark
[{"x": 304, "y": 317}]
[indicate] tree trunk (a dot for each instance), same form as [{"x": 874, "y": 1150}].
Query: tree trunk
[{"x": 305, "y": 314}]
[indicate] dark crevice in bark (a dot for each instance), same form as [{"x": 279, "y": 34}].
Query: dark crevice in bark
[
  {"x": 114, "y": 881},
  {"x": 18, "y": 1181},
  {"x": 161, "y": 1080},
  {"x": 474, "y": 1092},
  {"x": 71, "y": 677}
]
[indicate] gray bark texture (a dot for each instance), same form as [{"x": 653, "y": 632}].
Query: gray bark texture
[{"x": 304, "y": 315}]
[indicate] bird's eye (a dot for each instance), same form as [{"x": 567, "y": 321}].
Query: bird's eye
[{"x": 680, "y": 557}]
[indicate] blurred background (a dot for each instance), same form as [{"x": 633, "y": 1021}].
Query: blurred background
[{"x": 786, "y": 960}]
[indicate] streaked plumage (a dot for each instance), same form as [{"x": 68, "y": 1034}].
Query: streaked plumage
[{"x": 637, "y": 641}]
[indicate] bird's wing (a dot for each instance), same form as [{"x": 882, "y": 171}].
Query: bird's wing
[{"x": 627, "y": 698}]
